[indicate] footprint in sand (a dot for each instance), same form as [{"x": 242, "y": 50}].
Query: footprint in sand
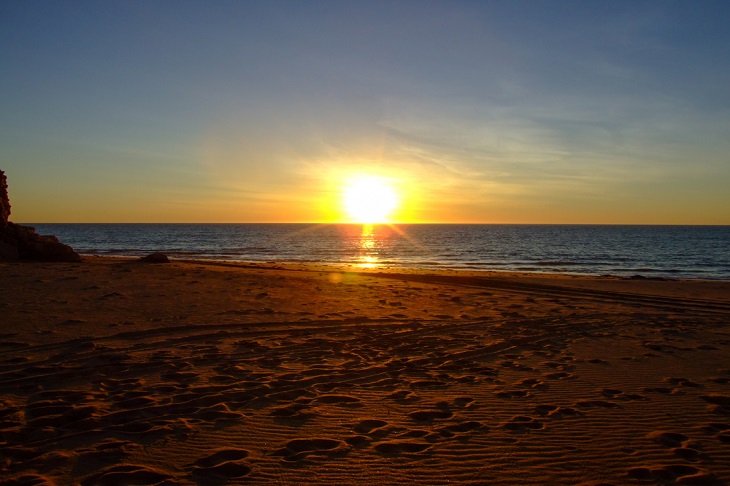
[
  {"x": 689, "y": 454},
  {"x": 342, "y": 400},
  {"x": 148, "y": 430},
  {"x": 297, "y": 412},
  {"x": 707, "y": 347},
  {"x": 127, "y": 474},
  {"x": 545, "y": 409},
  {"x": 428, "y": 384},
  {"x": 222, "y": 464},
  {"x": 620, "y": 395},
  {"x": 514, "y": 365},
  {"x": 460, "y": 428},
  {"x": 367, "y": 426},
  {"x": 596, "y": 404},
  {"x": 523, "y": 423},
  {"x": 513, "y": 394},
  {"x": 664, "y": 390},
  {"x": 464, "y": 402},
  {"x": 109, "y": 450},
  {"x": 676, "y": 474},
  {"x": 683, "y": 382},
  {"x": 721, "y": 431},
  {"x": 533, "y": 383},
  {"x": 62, "y": 416},
  {"x": 403, "y": 395},
  {"x": 680, "y": 445},
  {"x": 430, "y": 415},
  {"x": 668, "y": 439},
  {"x": 358, "y": 440},
  {"x": 559, "y": 375},
  {"x": 719, "y": 403},
  {"x": 218, "y": 413},
  {"x": 300, "y": 449},
  {"x": 720, "y": 380},
  {"x": 415, "y": 434},
  {"x": 400, "y": 447},
  {"x": 559, "y": 366},
  {"x": 563, "y": 412}
]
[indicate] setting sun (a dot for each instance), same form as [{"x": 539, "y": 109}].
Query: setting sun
[{"x": 369, "y": 199}]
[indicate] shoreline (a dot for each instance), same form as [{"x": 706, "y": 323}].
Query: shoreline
[
  {"x": 390, "y": 267},
  {"x": 713, "y": 289},
  {"x": 197, "y": 372}
]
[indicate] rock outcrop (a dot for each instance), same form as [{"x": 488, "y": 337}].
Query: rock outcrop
[
  {"x": 22, "y": 242},
  {"x": 155, "y": 258},
  {"x": 4, "y": 199}
]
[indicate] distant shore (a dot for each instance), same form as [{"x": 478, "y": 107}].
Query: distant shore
[{"x": 199, "y": 372}]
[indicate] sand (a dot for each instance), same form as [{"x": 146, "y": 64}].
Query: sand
[{"x": 117, "y": 372}]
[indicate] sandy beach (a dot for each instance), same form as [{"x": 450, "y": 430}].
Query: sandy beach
[{"x": 119, "y": 372}]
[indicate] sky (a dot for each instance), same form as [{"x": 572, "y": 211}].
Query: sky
[{"x": 471, "y": 111}]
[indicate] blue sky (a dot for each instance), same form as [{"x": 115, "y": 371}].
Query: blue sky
[{"x": 524, "y": 112}]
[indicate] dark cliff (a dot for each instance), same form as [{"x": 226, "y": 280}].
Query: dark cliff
[{"x": 22, "y": 242}]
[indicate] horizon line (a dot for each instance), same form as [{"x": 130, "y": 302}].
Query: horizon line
[{"x": 376, "y": 224}]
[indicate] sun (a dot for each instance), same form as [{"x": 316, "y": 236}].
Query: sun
[{"x": 369, "y": 199}]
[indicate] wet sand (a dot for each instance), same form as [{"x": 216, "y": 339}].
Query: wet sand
[{"x": 117, "y": 372}]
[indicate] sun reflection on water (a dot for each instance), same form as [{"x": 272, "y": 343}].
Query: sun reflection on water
[
  {"x": 368, "y": 248},
  {"x": 372, "y": 245}
]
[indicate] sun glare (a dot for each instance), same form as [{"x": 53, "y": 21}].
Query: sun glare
[{"x": 369, "y": 199}]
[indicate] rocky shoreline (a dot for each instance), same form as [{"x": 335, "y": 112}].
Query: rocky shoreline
[{"x": 19, "y": 242}]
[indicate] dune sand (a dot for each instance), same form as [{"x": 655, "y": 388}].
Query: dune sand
[{"x": 118, "y": 372}]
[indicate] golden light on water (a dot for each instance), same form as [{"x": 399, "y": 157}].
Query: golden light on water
[{"x": 369, "y": 247}]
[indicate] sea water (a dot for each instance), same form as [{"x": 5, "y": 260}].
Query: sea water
[{"x": 652, "y": 251}]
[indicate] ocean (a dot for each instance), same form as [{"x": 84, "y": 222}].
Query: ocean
[{"x": 651, "y": 251}]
